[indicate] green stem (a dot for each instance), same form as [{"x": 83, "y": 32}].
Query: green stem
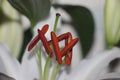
[
  {"x": 56, "y": 22},
  {"x": 47, "y": 68},
  {"x": 32, "y": 26},
  {"x": 39, "y": 53},
  {"x": 55, "y": 71},
  {"x": 57, "y": 67}
]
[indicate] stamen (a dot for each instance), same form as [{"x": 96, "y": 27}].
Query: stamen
[
  {"x": 61, "y": 37},
  {"x": 39, "y": 56},
  {"x": 56, "y": 22},
  {"x": 68, "y": 56},
  {"x": 55, "y": 70},
  {"x": 45, "y": 43},
  {"x": 69, "y": 46},
  {"x": 47, "y": 68},
  {"x": 51, "y": 45},
  {"x": 67, "y": 51},
  {"x": 33, "y": 42},
  {"x": 56, "y": 47},
  {"x": 37, "y": 38}
]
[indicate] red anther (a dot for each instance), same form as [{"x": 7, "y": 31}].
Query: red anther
[
  {"x": 61, "y": 37},
  {"x": 45, "y": 28},
  {"x": 33, "y": 42},
  {"x": 45, "y": 43},
  {"x": 37, "y": 38},
  {"x": 68, "y": 39},
  {"x": 68, "y": 58},
  {"x": 69, "y": 46},
  {"x": 69, "y": 43},
  {"x": 56, "y": 47},
  {"x": 66, "y": 51}
]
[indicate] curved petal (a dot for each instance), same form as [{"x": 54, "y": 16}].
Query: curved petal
[
  {"x": 29, "y": 66},
  {"x": 5, "y": 77},
  {"x": 89, "y": 69},
  {"x": 110, "y": 76},
  {"x": 9, "y": 64}
]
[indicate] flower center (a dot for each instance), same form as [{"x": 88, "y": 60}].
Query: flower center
[{"x": 53, "y": 50}]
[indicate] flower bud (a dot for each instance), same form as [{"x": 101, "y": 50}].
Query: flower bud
[
  {"x": 112, "y": 22},
  {"x": 11, "y": 31}
]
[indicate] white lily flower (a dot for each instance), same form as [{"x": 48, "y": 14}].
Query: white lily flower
[{"x": 90, "y": 69}]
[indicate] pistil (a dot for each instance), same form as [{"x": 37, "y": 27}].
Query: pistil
[{"x": 52, "y": 47}]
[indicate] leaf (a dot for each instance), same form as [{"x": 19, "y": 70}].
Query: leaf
[
  {"x": 34, "y": 10},
  {"x": 26, "y": 39}
]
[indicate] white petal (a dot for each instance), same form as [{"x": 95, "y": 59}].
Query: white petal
[
  {"x": 10, "y": 64},
  {"x": 110, "y": 76},
  {"x": 30, "y": 66},
  {"x": 89, "y": 69}
]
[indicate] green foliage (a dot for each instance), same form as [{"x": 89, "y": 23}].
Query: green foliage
[{"x": 35, "y": 10}]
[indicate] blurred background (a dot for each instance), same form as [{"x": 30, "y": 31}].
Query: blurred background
[{"x": 84, "y": 18}]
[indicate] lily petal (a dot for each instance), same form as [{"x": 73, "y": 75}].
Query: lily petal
[
  {"x": 89, "y": 69},
  {"x": 29, "y": 66},
  {"x": 5, "y": 77},
  {"x": 110, "y": 76},
  {"x": 10, "y": 64}
]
